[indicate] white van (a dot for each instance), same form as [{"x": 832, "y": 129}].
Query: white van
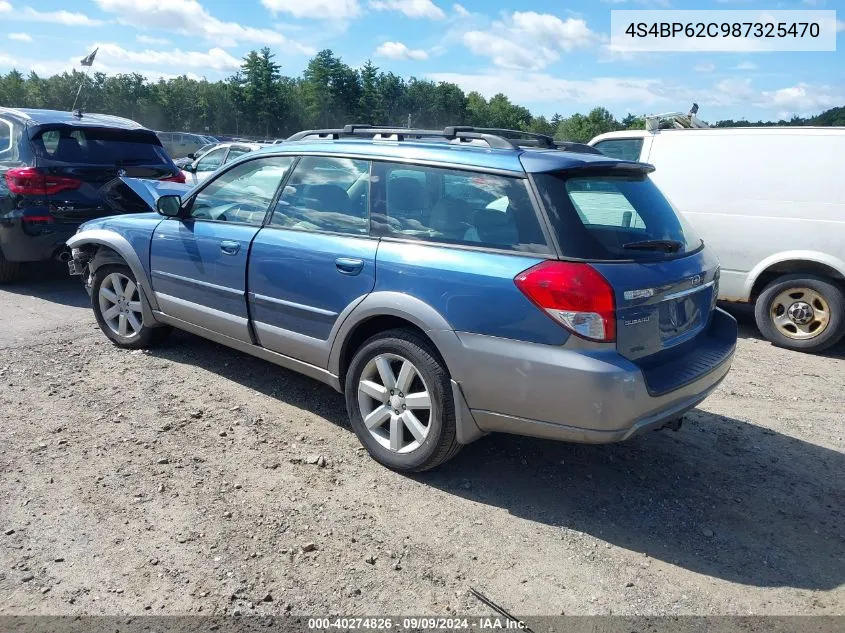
[{"x": 771, "y": 203}]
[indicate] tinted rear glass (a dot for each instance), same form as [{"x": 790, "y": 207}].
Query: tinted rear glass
[
  {"x": 99, "y": 146},
  {"x": 612, "y": 217}
]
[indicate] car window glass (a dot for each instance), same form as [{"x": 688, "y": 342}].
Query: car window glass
[
  {"x": 235, "y": 152},
  {"x": 326, "y": 194},
  {"x": 242, "y": 193},
  {"x": 600, "y": 202},
  {"x": 459, "y": 207},
  {"x": 99, "y": 146},
  {"x": 212, "y": 160},
  {"x": 623, "y": 148},
  {"x": 5, "y": 136}
]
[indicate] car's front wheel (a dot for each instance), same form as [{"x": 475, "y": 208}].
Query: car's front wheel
[
  {"x": 116, "y": 299},
  {"x": 400, "y": 403}
]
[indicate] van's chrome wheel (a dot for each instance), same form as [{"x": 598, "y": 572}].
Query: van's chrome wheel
[
  {"x": 395, "y": 403},
  {"x": 120, "y": 305},
  {"x": 800, "y": 313}
]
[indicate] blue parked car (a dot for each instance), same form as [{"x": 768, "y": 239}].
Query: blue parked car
[{"x": 451, "y": 283}]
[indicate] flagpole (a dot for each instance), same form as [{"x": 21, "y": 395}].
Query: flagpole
[{"x": 86, "y": 63}]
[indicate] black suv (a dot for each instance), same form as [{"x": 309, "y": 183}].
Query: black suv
[{"x": 53, "y": 166}]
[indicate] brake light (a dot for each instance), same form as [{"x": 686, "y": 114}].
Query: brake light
[
  {"x": 574, "y": 295},
  {"x": 179, "y": 176},
  {"x": 29, "y": 181}
]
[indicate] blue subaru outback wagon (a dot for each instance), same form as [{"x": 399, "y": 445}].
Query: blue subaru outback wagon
[{"x": 451, "y": 283}]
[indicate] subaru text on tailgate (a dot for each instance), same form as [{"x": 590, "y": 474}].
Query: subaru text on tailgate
[
  {"x": 53, "y": 166},
  {"x": 450, "y": 283}
]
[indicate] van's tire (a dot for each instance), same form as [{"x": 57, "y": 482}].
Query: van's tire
[
  {"x": 119, "y": 315},
  {"x": 427, "y": 437},
  {"x": 801, "y": 312},
  {"x": 9, "y": 271}
]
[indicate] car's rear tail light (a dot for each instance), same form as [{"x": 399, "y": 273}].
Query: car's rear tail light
[
  {"x": 179, "y": 176},
  {"x": 29, "y": 181},
  {"x": 574, "y": 295}
]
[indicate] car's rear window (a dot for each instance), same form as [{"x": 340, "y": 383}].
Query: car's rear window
[
  {"x": 99, "y": 146},
  {"x": 613, "y": 217}
]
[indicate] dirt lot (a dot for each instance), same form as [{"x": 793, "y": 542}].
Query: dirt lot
[{"x": 183, "y": 481}]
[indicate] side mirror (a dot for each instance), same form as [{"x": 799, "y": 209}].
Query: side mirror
[
  {"x": 192, "y": 168},
  {"x": 169, "y": 206},
  {"x": 191, "y": 156}
]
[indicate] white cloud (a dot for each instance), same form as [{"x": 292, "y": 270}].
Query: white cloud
[
  {"x": 316, "y": 9},
  {"x": 545, "y": 88},
  {"x": 20, "y": 37},
  {"x": 530, "y": 40},
  {"x": 214, "y": 59},
  {"x": 840, "y": 26},
  {"x": 397, "y": 50},
  {"x": 746, "y": 66},
  {"x": 411, "y": 8},
  {"x": 460, "y": 9},
  {"x": 189, "y": 17},
  {"x": 663, "y": 4},
  {"x": 704, "y": 68},
  {"x": 155, "y": 41},
  {"x": 48, "y": 68},
  {"x": 5, "y": 7},
  {"x": 802, "y": 98},
  {"x": 58, "y": 17}
]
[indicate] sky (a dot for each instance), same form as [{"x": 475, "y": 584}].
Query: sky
[{"x": 549, "y": 55}]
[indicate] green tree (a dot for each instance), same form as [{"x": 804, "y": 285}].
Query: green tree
[{"x": 370, "y": 107}]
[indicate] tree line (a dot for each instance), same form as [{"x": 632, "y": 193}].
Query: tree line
[{"x": 260, "y": 102}]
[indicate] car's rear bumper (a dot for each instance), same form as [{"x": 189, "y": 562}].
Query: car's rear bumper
[
  {"x": 34, "y": 242},
  {"x": 576, "y": 395}
]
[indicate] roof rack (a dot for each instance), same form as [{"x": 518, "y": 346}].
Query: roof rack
[
  {"x": 495, "y": 138},
  {"x": 676, "y": 120}
]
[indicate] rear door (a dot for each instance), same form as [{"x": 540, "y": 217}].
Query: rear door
[
  {"x": 199, "y": 262},
  {"x": 83, "y": 159},
  {"x": 315, "y": 259}
]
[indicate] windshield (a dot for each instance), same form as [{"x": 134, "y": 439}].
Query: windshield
[
  {"x": 99, "y": 146},
  {"x": 613, "y": 217}
]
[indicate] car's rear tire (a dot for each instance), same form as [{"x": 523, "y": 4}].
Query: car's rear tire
[
  {"x": 9, "y": 271},
  {"x": 801, "y": 312},
  {"x": 116, "y": 300},
  {"x": 399, "y": 400}
]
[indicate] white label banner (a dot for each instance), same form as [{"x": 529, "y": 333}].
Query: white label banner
[{"x": 743, "y": 31}]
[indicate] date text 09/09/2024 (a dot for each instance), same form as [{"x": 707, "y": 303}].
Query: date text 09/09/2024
[{"x": 415, "y": 623}]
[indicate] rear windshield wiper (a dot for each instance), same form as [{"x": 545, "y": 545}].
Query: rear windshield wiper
[{"x": 670, "y": 246}]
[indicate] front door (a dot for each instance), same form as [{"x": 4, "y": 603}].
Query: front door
[
  {"x": 315, "y": 258},
  {"x": 198, "y": 262}
]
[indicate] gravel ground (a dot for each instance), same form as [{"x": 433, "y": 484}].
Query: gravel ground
[{"x": 194, "y": 479}]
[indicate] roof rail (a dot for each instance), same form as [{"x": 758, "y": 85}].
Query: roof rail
[
  {"x": 462, "y": 135},
  {"x": 496, "y": 138}
]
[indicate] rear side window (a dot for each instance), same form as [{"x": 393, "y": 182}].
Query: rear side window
[
  {"x": 613, "y": 217},
  {"x": 99, "y": 146},
  {"x": 8, "y": 141},
  {"x": 622, "y": 148},
  {"x": 455, "y": 207}
]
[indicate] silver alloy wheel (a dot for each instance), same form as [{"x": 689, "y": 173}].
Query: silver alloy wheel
[
  {"x": 395, "y": 403},
  {"x": 120, "y": 305}
]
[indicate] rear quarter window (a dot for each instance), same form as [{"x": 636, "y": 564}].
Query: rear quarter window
[{"x": 9, "y": 135}]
